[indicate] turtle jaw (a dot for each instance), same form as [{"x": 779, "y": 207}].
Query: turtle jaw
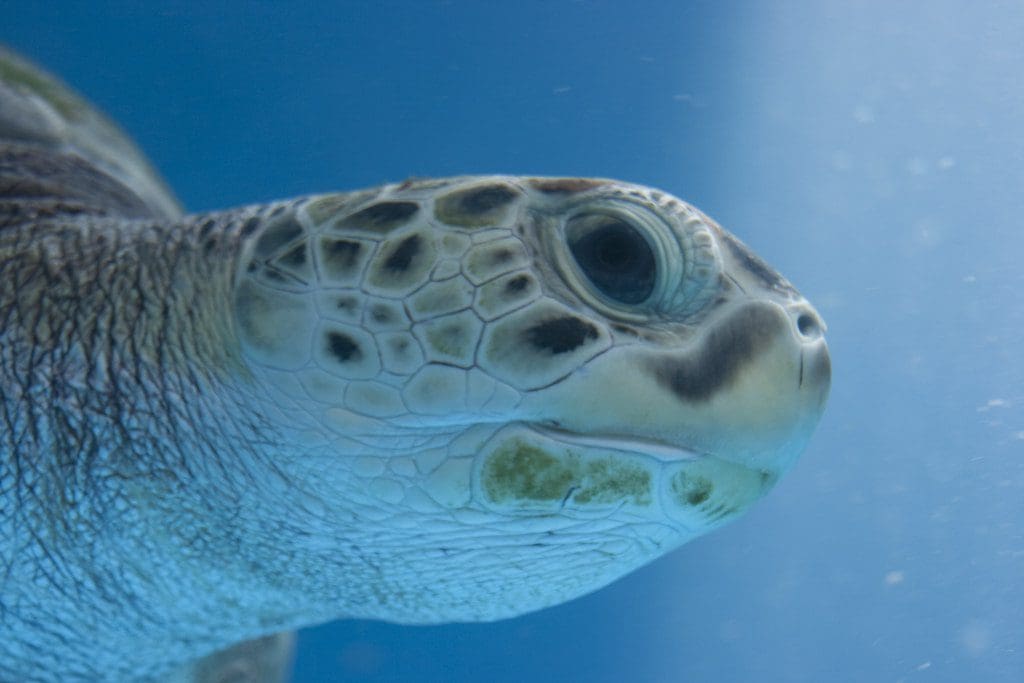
[
  {"x": 750, "y": 389},
  {"x": 697, "y": 491},
  {"x": 529, "y": 469},
  {"x": 711, "y": 425}
]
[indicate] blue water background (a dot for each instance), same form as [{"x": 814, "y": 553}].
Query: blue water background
[{"x": 872, "y": 151}]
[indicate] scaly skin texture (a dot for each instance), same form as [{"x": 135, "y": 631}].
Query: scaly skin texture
[
  {"x": 113, "y": 392},
  {"x": 188, "y": 466},
  {"x": 454, "y": 399}
]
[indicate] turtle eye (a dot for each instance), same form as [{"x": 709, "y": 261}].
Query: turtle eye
[{"x": 614, "y": 256}]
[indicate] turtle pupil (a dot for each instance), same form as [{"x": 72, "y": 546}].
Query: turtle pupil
[{"x": 614, "y": 256}]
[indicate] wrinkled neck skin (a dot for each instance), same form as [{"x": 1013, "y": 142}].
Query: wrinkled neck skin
[
  {"x": 164, "y": 500},
  {"x": 134, "y": 480}
]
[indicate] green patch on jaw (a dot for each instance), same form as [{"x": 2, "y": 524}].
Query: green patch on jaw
[
  {"x": 714, "y": 489},
  {"x": 692, "y": 490},
  {"x": 522, "y": 471},
  {"x": 609, "y": 480}
]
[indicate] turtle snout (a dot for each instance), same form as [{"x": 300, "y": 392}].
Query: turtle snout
[
  {"x": 815, "y": 370},
  {"x": 807, "y": 323},
  {"x": 777, "y": 372}
]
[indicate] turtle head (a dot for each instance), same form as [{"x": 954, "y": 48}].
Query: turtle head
[
  {"x": 669, "y": 369},
  {"x": 674, "y": 362},
  {"x": 524, "y": 387}
]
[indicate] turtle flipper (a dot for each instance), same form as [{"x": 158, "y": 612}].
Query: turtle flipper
[
  {"x": 263, "y": 660},
  {"x": 49, "y": 132}
]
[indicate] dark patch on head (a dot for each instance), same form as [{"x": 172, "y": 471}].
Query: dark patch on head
[
  {"x": 699, "y": 491},
  {"x": 403, "y": 254},
  {"x": 564, "y": 185},
  {"x": 348, "y": 303},
  {"x": 415, "y": 183},
  {"x": 274, "y": 276},
  {"x": 484, "y": 199},
  {"x": 206, "y": 227},
  {"x": 295, "y": 257},
  {"x": 722, "y": 354},
  {"x": 329, "y": 206},
  {"x": 381, "y": 314},
  {"x": 753, "y": 263},
  {"x": 448, "y": 338},
  {"x": 381, "y": 217},
  {"x": 277, "y": 236},
  {"x": 490, "y": 259},
  {"x": 343, "y": 347},
  {"x": 340, "y": 255},
  {"x": 249, "y": 227},
  {"x": 474, "y": 206},
  {"x": 517, "y": 284},
  {"x": 560, "y": 335}
]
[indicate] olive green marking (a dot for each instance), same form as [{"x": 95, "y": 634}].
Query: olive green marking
[
  {"x": 564, "y": 185},
  {"x": 505, "y": 293},
  {"x": 342, "y": 260},
  {"x": 418, "y": 184},
  {"x": 274, "y": 324},
  {"x": 520, "y": 471},
  {"x": 526, "y": 472},
  {"x": 442, "y": 297},
  {"x": 380, "y": 218},
  {"x": 487, "y": 261},
  {"x": 277, "y": 235},
  {"x": 295, "y": 258},
  {"x": 402, "y": 263},
  {"x": 296, "y": 263},
  {"x": 474, "y": 207},
  {"x": 716, "y": 488},
  {"x": 609, "y": 480},
  {"x": 691, "y": 490},
  {"x": 449, "y": 340},
  {"x": 323, "y": 208},
  {"x": 18, "y": 73},
  {"x": 383, "y": 315},
  {"x": 454, "y": 244},
  {"x": 452, "y": 338}
]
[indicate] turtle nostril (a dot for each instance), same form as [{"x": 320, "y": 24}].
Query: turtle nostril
[{"x": 808, "y": 325}]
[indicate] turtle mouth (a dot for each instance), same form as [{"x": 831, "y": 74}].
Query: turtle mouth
[
  {"x": 627, "y": 444},
  {"x": 638, "y": 446}
]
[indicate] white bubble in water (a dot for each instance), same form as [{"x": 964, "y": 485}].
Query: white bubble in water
[
  {"x": 894, "y": 577},
  {"x": 864, "y": 114},
  {"x": 976, "y": 637}
]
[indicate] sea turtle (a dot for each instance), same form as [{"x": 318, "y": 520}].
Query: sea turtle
[{"x": 438, "y": 400}]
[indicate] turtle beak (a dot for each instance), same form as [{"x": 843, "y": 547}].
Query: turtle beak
[{"x": 749, "y": 388}]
